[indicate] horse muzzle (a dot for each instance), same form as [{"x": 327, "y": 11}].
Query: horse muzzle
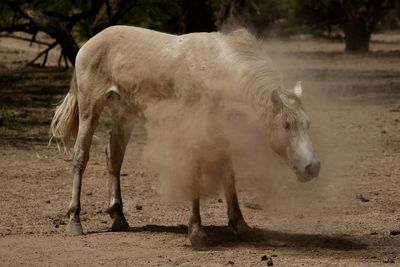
[{"x": 310, "y": 171}]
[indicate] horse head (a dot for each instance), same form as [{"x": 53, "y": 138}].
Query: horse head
[{"x": 288, "y": 130}]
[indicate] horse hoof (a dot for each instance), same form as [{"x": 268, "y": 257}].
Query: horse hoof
[
  {"x": 74, "y": 228},
  {"x": 198, "y": 238},
  {"x": 241, "y": 228},
  {"x": 120, "y": 225}
]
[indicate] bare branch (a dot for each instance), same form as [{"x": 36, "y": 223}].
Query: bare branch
[{"x": 45, "y": 51}]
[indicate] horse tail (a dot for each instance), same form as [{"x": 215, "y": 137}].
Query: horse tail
[{"x": 65, "y": 122}]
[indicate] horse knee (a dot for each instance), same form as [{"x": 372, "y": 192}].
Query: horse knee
[{"x": 81, "y": 158}]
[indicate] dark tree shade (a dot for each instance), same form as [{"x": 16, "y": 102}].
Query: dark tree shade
[
  {"x": 198, "y": 17},
  {"x": 358, "y": 18},
  {"x": 361, "y": 18}
]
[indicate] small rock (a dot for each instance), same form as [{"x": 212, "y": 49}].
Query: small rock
[
  {"x": 89, "y": 194},
  {"x": 388, "y": 260},
  {"x": 362, "y": 198},
  {"x": 138, "y": 207},
  {"x": 56, "y": 226},
  {"x": 264, "y": 258},
  {"x": 384, "y": 131},
  {"x": 373, "y": 233},
  {"x": 103, "y": 221},
  {"x": 48, "y": 201},
  {"x": 395, "y": 232},
  {"x": 268, "y": 259},
  {"x": 253, "y": 206},
  {"x": 123, "y": 174},
  {"x": 231, "y": 263},
  {"x": 396, "y": 120},
  {"x": 99, "y": 211},
  {"x": 220, "y": 200}
]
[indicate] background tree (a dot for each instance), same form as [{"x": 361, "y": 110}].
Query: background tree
[
  {"x": 60, "y": 18},
  {"x": 357, "y": 18},
  {"x": 68, "y": 21},
  {"x": 57, "y": 19}
]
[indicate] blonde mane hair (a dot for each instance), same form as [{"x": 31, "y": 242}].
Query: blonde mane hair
[{"x": 258, "y": 77}]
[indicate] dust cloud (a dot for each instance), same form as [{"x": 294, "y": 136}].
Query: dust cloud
[
  {"x": 190, "y": 138},
  {"x": 188, "y": 144},
  {"x": 186, "y": 136}
]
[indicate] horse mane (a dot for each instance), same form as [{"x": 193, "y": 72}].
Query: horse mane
[{"x": 258, "y": 77}]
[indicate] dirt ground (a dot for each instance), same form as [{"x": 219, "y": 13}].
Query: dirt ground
[{"x": 342, "y": 218}]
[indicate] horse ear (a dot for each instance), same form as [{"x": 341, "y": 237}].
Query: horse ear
[
  {"x": 297, "y": 89},
  {"x": 276, "y": 101}
]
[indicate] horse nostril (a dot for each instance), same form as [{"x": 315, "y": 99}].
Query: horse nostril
[
  {"x": 308, "y": 168},
  {"x": 313, "y": 168}
]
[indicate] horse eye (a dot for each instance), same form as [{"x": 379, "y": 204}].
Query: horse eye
[{"x": 287, "y": 126}]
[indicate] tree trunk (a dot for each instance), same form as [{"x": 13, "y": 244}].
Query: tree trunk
[
  {"x": 54, "y": 28},
  {"x": 357, "y": 34}
]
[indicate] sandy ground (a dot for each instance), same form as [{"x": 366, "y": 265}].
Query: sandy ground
[{"x": 342, "y": 218}]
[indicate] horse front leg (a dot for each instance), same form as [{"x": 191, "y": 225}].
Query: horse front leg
[
  {"x": 120, "y": 135},
  {"x": 197, "y": 236},
  {"x": 235, "y": 216},
  {"x": 196, "y": 233}
]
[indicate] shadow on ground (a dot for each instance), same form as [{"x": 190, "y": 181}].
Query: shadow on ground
[{"x": 223, "y": 236}]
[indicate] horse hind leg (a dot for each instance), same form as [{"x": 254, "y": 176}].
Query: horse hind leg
[
  {"x": 119, "y": 138},
  {"x": 88, "y": 118}
]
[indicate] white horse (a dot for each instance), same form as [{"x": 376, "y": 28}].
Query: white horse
[{"x": 128, "y": 68}]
